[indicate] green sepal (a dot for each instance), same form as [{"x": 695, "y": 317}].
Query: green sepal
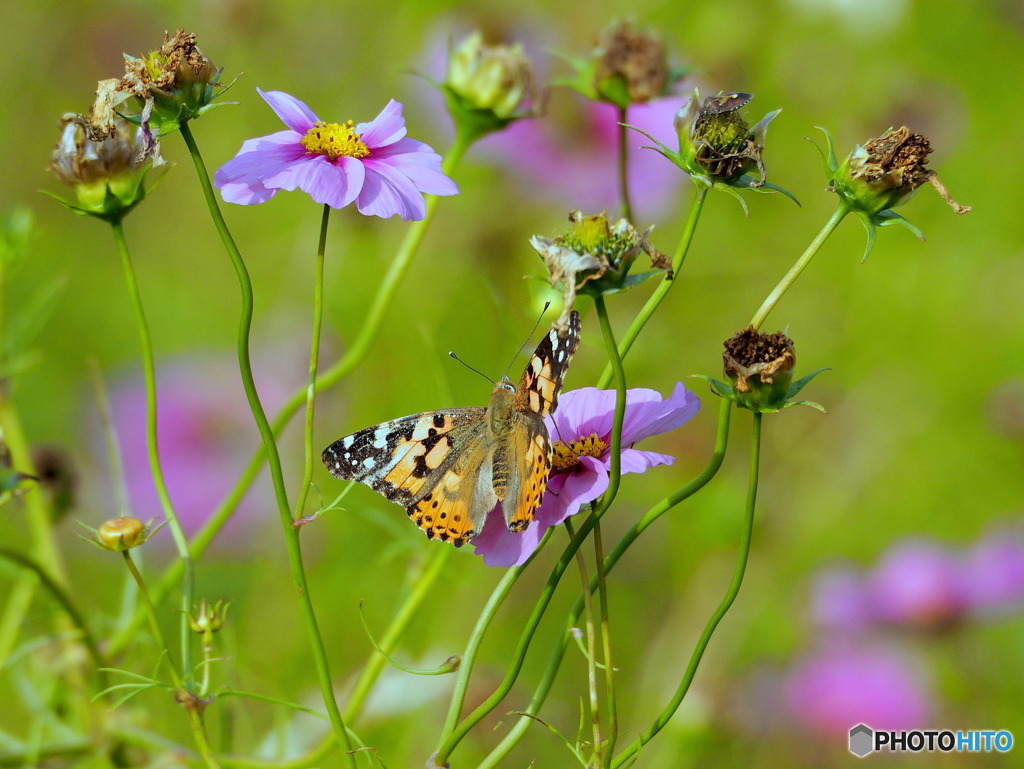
[
  {"x": 719, "y": 388},
  {"x": 828, "y": 160},
  {"x": 747, "y": 182},
  {"x": 801, "y": 383},
  {"x": 615, "y": 283},
  {"x": 812, "y": 404},
  {"x": 887, "y": 217}
]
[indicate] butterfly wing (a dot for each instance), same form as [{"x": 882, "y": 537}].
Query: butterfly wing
[
  {"x": 528, "y": 449},
  {"x": 538, "y": 388},
  {"x": 436, "y": 464}
]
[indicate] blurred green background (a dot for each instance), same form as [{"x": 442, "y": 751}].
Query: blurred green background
[{"x": 925, "y": 427}]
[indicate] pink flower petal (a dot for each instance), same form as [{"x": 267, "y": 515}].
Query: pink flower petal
[
  {"x": 578, "y": 488},
  {"x": 387, "y": 128},
  {"x": 421, "y": 166},
  {"x": 295, "y": 114},
  {"x": 647, "y": 416},
  {"x": 500, "y": 547},
  {"x": 245, "y": 193},
  {"x": 636, "y": 461},
  {"x": 333, "y": 184},
  {"x": 258, "y": 165},
  {"x": 387, "y": 192}
]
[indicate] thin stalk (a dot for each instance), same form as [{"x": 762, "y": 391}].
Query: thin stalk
[
  {"x": 314, "y": 357},
  {"x": 291, "y": 534},
  {"x": 794, "y": 272},
  {"x": 422, "y": 587},
  {"x": 476, "y": 637},
  {"x": 614, "y": 476},
  {"x": 606, "y": 751},
  {"x": 65, "y": 601},
  {"x": 588, "y": 621},
  {"x": 192, "y": 708},
  {"x": 153, "y": 450},
  {"x": 664, "y": 286},
  {"x": 734, "y": 588},
  {"x": 497, "y": 756},
  {"x": 379, "y": 309},
  {"x": 623, "y": 167}
]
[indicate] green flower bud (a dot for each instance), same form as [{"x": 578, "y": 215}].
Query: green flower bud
[
  {"x": 119, "y": 534},
  {"x": 107, "y": 168},
  {"x": 490, "y": 77},
  {"x": 208, "y": 619},
  {"x": 595, "y": 255}
]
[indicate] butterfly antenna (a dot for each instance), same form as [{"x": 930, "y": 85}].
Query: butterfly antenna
[
  {"x": 477, "y": 371},
  {"x": 527, "y": 341}
]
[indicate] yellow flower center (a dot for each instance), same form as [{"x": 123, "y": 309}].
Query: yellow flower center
[
  {"x": 567, "y": 456},
  {"x": 335, "y": 140}
]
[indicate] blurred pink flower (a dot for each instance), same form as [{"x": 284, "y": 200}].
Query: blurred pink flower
[
  {"x": 573, "y": 161},
  {"x": 841, "y": 686},
  {"x": 994, "y": 573},
  {"x": 582, "y": 429},
  {"x": 374, "y": 164},
  {"x": 920, "y": 584}
]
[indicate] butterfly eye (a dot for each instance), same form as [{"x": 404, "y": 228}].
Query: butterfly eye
[{"x": 510, "y": 387}]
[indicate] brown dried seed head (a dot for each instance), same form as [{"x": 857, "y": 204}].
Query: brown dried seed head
[
  {"x": 750, "y": 354},
  {"x": 638, "y": 57}
]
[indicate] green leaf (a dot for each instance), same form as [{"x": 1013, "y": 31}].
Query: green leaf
[{"x": 801, "y": 383}]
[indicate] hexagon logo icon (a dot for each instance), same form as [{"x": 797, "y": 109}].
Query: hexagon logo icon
[{"x": 861, "y": 740}]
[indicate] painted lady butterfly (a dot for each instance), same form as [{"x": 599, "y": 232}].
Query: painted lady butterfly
[{"x": 450, "y": 468}]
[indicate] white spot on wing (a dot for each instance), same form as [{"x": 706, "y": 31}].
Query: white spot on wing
[
  {"x": 368, "y": 463},
  {"x": 347, "y": 443}
]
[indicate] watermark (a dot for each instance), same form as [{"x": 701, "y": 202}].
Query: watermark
[{"x": 864, "y": 740}]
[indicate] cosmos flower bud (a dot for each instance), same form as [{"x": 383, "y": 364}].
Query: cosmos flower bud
[
  {"x": 882, "y": 174},
  {"x": 595, "y": 255},
  {"x": 120, "y": 534},
  {"x": 495, "y": 79},
  {"x": 207, "y": 618},
  {"x": 106, "y": 167},
  {"x": 760, "y": 367}
]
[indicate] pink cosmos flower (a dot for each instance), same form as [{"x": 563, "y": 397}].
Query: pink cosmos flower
[
  {"x": 374, "y": 164},
  {"x": 581, "y": 430}
]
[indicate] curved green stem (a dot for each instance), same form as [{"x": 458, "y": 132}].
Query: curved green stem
[
  {"x": 794, "y": 271},
  {"x": 606, "y": 750},
  {"x": 153, "y": 449},
  {"x": 664, "y": 286},
  {"x": 374, "y": 319},
  {"x": 422, "y": 587},
  {"x": 495, "y": 758},
  {"x": 453, "y": 738},
  {"x": 63, "y": 599},
  {"x": 623, "y": 167},
  {"x": 734, "y": 588},
  {"x": 291, "y": 533},
  {"x": 588, "y": 624},
  {"x": 193, "y": 708},
  {"x": 314, "y": 357}
]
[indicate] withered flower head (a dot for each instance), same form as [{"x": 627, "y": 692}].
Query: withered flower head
[
  {"x": 105, "y": 164},
  {"x": 497, "y": 79},
  {"x": 174, "y": 84},
  {"x": 595, "y": 255},
  {"x": 882, "y": 174},
  {"x": 631, "y": 65},
  {"x": 716, "y": 140},
  {"x": 760, "y": 367}
]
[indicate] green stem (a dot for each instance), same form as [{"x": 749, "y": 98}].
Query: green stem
[
  {"x": 497, "y": 756},
  {"x": 314, "y": 357},
  {"x": 422, "y": 587},
  {"x": 730, "y": 596},
  {"x": 664, "y": 286},
  {"x": 588, "y": 622},
  {"x": 452, "y": 739},
  {"x": 627, "y": 207},
  {"x": 606, "y": 751},
  {"x": 152, "y": 448},
  {"x": 794, "y": 272},
  {"x": 449, "y": 743},
  {"x": 374, "y": 319},
  {"x": 498, "y": 595},
  {"x": 291, "y": 533},
  {"x": 63, "y": 599}
]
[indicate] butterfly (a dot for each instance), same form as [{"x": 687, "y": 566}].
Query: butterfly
[{"x": 450, "y": 468}]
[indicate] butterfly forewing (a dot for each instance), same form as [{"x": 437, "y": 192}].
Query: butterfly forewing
[
  {"x": 540, "y": 383},
  {"x": 402, "y": 459}
]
